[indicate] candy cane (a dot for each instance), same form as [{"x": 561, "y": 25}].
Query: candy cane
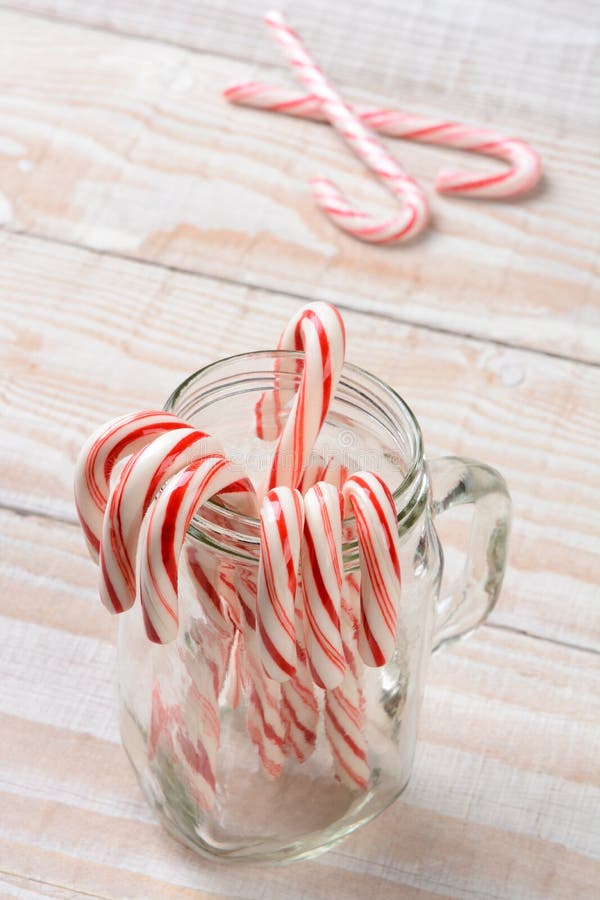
[
  {"x": 345, "y": 713},
  {"x": 99, "y": 455},
  {"x": 265, "y": 722},
  {"x": 331, "y": 471},
  {"x": 206, "y": 659},
  {"x": 299, "y": 707},
  {"x": 322, "y": 576},
  {"x": 234, "y": 674},
  {"x": 413, "y": 217},
  {"x": 137, "y": 485},
  {"x": 375, "y": 514},
  {"x": 163, "y": 719},
  {"x": 162, "y": 536},
  {"x": 207, "y": 595},
  {"x": 523, "y": 173},
  {"x": 344, "y": 730},
  {"x": 318, "y": 330},
  {"x": 281, "y": 523}
]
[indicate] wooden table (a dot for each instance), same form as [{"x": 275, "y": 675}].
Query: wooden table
[{"x": 148, "y": 228}]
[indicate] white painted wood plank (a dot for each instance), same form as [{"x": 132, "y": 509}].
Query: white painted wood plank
[{"x": 127, "y": 146}]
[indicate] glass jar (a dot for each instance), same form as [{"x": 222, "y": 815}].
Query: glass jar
[{"x": 245, "y": 769}]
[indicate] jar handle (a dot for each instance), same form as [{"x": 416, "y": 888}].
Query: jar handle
[{"x": 469, "y": 601}]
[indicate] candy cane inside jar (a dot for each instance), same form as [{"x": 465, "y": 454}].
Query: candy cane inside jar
[{"x": 295, "y": 756}]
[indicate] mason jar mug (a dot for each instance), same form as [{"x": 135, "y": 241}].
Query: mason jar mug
[{"x": 238, "y": 766}]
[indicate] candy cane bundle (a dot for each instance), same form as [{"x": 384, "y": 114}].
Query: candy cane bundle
[{"x": 275, "y": 636}]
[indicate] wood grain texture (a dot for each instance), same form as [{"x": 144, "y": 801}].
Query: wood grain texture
[
  {"x": 125, "y": 145},
  {"x": 74, "y": 817},
  {"x": 103, "y": 337},
  {"x": 146, "y": 228},
  {"x": 486, "y": 59}
]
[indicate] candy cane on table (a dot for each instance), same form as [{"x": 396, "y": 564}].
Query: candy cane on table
[
  {"x": 162, "y": 536},
  {"x": 322, "y": 578},
  {"x": 266, "y": 725},
  {"x": 142, "y": 477},
  {"x": 375, "y": 513},
  {"x": 281, "y": 521},
  {"x": 522, "y": 175},
  {"x": 413, "y": 217},
  {"x": 99, "y": 455},
  {"x": 318, "y": 330}
]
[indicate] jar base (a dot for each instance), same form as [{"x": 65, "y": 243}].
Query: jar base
[{"x": 181, "y": 823}]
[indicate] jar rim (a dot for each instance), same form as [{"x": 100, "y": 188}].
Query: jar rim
[{"x": 414, "y": 469}]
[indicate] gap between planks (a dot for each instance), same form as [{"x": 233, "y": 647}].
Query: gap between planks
[
  {"x": 293, "y": 295},
  {"x": 68, "y": 891}
]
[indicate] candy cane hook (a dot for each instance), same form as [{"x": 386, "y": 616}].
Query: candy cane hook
[{"x": 413, "y": 217}]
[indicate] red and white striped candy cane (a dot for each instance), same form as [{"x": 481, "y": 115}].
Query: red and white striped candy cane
[
  {"x": 524, "y": 166},
  {"x": 206, "y": 662},
  {"x": 331, "y": 471},
  {"x": 345, "y": 705},
  {"x": 344, "y": 722},
  {"x": 99, "y": 455},
  {"x": 375, "y": 513},
  {"x": 233, "y": 688},
  {"x": 281, "y": 521},
  {"x": 317, "y": 329},
  {"x": 299, "y": 707},
  {"x": 266, "y": 725},
  {"x": 207, "y": 594},
  {"x": 133, "y": 492},
  {"x": 414, "y": 215},
  {"x": 322, "y": 579},
  {"x": 163, "y": 719},
  {"x": 162, "y": 536}
]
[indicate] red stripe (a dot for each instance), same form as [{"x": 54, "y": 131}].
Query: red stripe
[
  {"x": 197, "y": 757},
  {"x": 89, "y": 534},
  {"x": 205, "y": 585},
  {"x": 273, "y": 652},
  {"x": 309, "y": 735},
  {"x": 376, "y": 651},
  {"x": 358, "y": 752},
  {"x": 151, "y": 633},
  {"x": 114, "y": 598},
  {"x": 374, "y": 500},
  {"x": 159, "y": 475},
  {"x": 147, "y": 430}
]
